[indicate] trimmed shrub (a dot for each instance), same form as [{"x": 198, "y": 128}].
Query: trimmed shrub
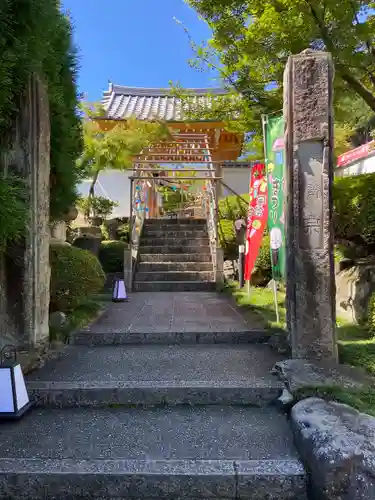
[
  {"x": 354, "y": 208},
  {"x": 231, "y": 205},
  {"x": 111, "y": 256},
  {"x": 75, "y": 274},
  {"x": 123, "y": 232},
  {"x": 371, "y": 315},
  {"x": 263, "y": 262},
  {"x": 227, "y": 239}
]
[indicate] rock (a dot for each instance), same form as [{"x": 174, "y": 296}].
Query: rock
[
  {"x": 337, "y": 445},
  {"x": 286, "y": 399},
  {"x": 299, "y": 373},
  {"x": 88, "y": 242},
  {"x": 58, "y": 320}
]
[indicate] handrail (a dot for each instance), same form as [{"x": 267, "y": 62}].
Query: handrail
[
  {"x": 138, "y": 206},
  {"x": 234, "y": 192},
  {"x": 211, "y": 205}
]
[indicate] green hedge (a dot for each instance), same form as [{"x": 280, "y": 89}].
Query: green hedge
[
  {"x": 263, "y": 262},
  {"x": 111, "y": 256},
  {"x": 75, "y": 274},
  {"x": 371, "y": 315},
  {"x": 354, "y": 208}
]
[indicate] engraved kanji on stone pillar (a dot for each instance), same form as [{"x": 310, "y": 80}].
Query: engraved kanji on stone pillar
[{"x": 308, "y": 81}]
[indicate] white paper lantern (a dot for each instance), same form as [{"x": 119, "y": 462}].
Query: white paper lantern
[
  {"x": 119, "y": 293},
  {"x": 14, "y": 399}
]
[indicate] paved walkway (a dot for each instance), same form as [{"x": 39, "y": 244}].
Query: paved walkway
[
  {"x": 165, "y": 312},
  {"x": 141, "y": 418}
]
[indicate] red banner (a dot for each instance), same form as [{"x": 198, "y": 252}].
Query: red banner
[{"x": 257, "y": 217}]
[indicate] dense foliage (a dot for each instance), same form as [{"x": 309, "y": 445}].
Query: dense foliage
[
  {"x": 97, "y": 206},
  {"x": 35, "y": 38},
  {"x": 13, "y": 210},
  {"x": 75, "y": 275},
  {"x": 251, "y": 42},
  {"x": 354, "y": 209},
  {"x": 113, "y": 148},
  {"x": 254, "y": 38},
  {"x": 111, "y": 256}
]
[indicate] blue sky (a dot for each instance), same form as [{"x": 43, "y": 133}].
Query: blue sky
[{"x": 135, "y": 43}]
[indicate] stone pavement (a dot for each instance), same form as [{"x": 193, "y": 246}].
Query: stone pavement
[
  {"x": 168, "y": 396},
  {"x": 163, "y": 312}
]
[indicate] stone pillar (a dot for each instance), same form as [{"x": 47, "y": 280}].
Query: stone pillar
[
  {"x": 58, "y": 230},
  {"x": 34, "y": 137},
  {"x": 308, "y": 81},
  {"x": 128, "y": 269}
]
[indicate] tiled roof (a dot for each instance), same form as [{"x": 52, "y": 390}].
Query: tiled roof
[{"x": 148, "y": 104}]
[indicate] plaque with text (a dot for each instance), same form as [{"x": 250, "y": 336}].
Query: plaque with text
[{"x": 311, "y": 211}]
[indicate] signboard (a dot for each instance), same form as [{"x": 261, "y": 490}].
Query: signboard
[{"x": 356, "y": 154}]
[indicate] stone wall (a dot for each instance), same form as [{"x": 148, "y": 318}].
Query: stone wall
[{"x": 24, "y": 267}]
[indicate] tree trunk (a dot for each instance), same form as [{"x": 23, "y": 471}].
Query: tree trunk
[
  {"x": 358, "y": 87},
  {"x": 91, "y": 193}
]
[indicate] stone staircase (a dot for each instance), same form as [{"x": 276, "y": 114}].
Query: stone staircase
[
  {"x": 166, "y": 397},
  {"x": 174, "y": 255}
]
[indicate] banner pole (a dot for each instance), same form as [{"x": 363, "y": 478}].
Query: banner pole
[
  {"x": 276, "y": 304},
  {"x": 264, "y": 120}
]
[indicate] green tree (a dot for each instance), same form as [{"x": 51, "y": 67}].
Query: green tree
[
  {"x": 255, "y": 37},
  {"x": 252, "y": 40},
  {"x": 115, "y": 148}
]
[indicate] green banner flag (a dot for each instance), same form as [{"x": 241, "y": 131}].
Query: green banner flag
[{"x": 273, "y": 130}]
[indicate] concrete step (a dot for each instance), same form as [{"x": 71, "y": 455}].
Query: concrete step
[
  {"x": 161, "y": 453},
  {"x": 187, "y": 337},
  {"x": 177, "y": 257},
  {"x": 175, "y": 222},
  {"x": 173, "y": 286},
  {"x": 175, "y": 276},
  {"x": 172, "y": 233},
  {"x": 175, "y": 227},
  {"x": 145, "y": 267},
  {"x": 152, "y": 375},
  {"x": 189, "y": 243},
  {"x": 174, "y": 248}
]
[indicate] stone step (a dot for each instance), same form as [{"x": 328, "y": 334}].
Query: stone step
[
  {"x": 160, "y": 453},
  {"x": 176, "y": 248},
  {"x": 177, "y": 257},
  {"x": 189, "y": 243},
  {"x": 174, "y": 227},
  {"x": 175, "y": 276},
  {"x": 144, "y": 267},
  {"x": 171, "y": 233},
  {"x": 177, "y": 336},
  {"x": 173, "y": 286},
  {"x": 152, "y": 375},
  {"x": 175, "y": 222}
]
